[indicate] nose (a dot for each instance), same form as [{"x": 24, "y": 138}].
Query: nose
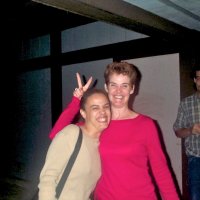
[
  {"x": 103, "y": 111},
  {"x": 118, "y": 88}
]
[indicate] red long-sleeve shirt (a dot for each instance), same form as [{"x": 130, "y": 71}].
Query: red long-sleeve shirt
[{"x": 126, "y": 148}]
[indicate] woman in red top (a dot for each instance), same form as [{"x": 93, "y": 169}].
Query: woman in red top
[{"x": 129, "y": 147}]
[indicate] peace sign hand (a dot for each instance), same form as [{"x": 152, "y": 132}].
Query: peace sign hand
[{"x": 78, "y": 92}]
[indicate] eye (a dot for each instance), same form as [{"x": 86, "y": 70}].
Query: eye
[
  {"x": 125, "y": 86},
  {"x": 107, "y": 106},
  {"x": 112, "y": 85},
  {"x": 94, "y": 108}
]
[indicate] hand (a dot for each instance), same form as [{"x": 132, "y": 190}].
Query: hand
[
  {"x": 78, "y": 92},
  {"x": 196, "y": 128}
]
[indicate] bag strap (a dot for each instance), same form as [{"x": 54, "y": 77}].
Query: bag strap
[{"x": 69, "y": 165}]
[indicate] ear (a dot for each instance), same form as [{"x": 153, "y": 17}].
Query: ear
[
  {"x": 82, "y": 112},
  {"x": 132, "y": 91},
  {"x": 105, "y": 87}
]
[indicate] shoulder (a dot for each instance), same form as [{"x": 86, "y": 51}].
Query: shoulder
[
  {"x": 148, "y": 126},
  {"x": 70, "y": 131},
  {"x": 146, "y": 118},
  {"x": 70, "y": 127},
  {"x": 188, "y": 99},
  {"x": 64, "y": 140}
]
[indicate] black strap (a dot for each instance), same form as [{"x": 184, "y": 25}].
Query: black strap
[{"x": 69, "y": 165}]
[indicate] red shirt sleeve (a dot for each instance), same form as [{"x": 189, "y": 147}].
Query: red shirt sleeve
[
  {"x": 160, "y": 165},
  {"x": 66, "y": 117}
]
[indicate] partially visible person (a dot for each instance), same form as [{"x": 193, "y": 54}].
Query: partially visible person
[
  {"x": 187, "y": 126},
  {"x": 130, "y": 146},
  {"x": 95, "y": 110}
]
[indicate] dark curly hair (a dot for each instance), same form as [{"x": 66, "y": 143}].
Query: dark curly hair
[{"x": 194, "y": 70}]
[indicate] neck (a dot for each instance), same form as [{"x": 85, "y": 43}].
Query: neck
[{"x": 122, "y": 113}]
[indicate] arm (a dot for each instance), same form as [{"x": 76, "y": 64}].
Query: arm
[
  {"x": 66, "y": 117},
  {"x": 72, "y": 109},
  {"x": 185, "y": 132},
  {"x": 182, "y": 127},
  {"x": 160, "y": 166}
]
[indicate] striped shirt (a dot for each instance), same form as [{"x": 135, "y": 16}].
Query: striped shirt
[{"x": 189, "y": 114}]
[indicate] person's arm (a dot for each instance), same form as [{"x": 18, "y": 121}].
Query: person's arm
[
  {"x": 185, "y": 132},
  {"x": 66, "y": 116},
  {"x": 159, "y": 165},
  {"x": 72, "y": 109},
  {"x": 180, "y": 126}
]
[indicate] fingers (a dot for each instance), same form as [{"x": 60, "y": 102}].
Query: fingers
[
  {"x": 79, "y": 80},
  {"x": 78, "y": 92},
  {"x": 80, "y": 85},
  {"x": 87, "y": 85},
  {"x": 196, "y": 128}
]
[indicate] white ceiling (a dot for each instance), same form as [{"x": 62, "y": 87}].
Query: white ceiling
[{"x": 182, "y": 12}]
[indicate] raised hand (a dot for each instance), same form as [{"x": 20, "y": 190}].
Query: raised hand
[
  {"x": 196, "y": 128},
  {"x": 78, "y": 92}
]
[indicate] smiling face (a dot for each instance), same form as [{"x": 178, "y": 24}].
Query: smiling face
[
  {"x": 120, "y": 79},
  {"x": 119, "y": 89},
  {"x": 96, "y": 112}
]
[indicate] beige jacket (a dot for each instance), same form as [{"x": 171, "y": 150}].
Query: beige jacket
[{"x": 85, "y": 171}]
